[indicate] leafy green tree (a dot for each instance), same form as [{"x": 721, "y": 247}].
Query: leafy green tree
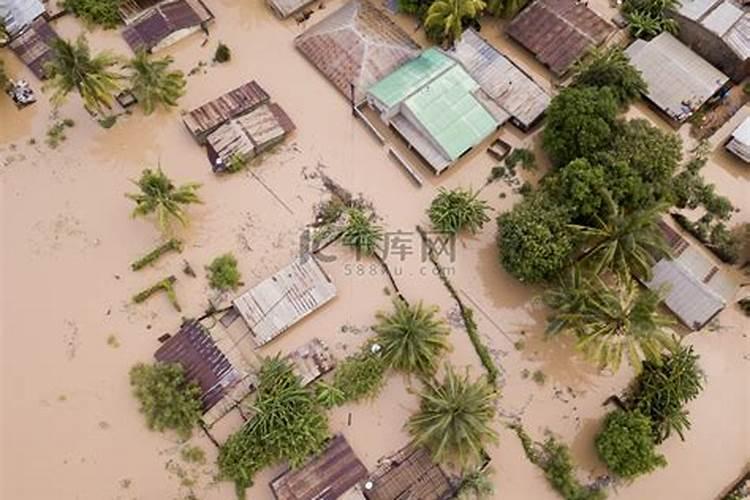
[
  {"x": 153, "y": 83},
  {"x": 104, "y": 13},
  {"x": 223, "y": 273},
  {"x": 413, "y": 339},
  {"x": 159, "y": 195},
  {"x": 627, "y": 446},
  {"x": 455, "y": 418},
  {"x": 445, "y": 18},
  {"x": 662, "y": 390},
  {"x": 648, "y": 18},
  {"x": 287, "y": 425},
  {"x": 360, "y": 232},
  {"x": 579, "y": 186},
  {"x": 622, "y": 320},
  {"x": 534, "y": 239},
  {"x": 476, "y": 484},
  {"x": 625, "y": 242},
  {"x": 580, "y": 123},
  {"x": 168, "y": 400},
  {"x": 651, "y": 152},
  {"x": 458, "y": 209},
  {"x": 610, "y": 67},
  {"x": 414, "y": 7},
  {"x": 73, "y": 67}
]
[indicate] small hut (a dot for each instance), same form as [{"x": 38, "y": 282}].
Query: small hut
[
  {"x": 410, "y": 473},
  {"x": 286, "y": 8},
  {"x": 280, "y": 301},
  {"x": 328, "y": 476},
  {"x": 248, "y": 135},
  {"x": 204, "y": 119},
  {"x": 739, "y": 142},
  {"x": 165, "y": 24},
  {"x": 558, "y": 32},
  {"x": 33, "y": 46}
]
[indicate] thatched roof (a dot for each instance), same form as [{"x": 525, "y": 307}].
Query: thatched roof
[{"x": 357, "y": 44}]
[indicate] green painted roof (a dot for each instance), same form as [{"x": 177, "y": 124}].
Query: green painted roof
[{"x": 437, "y": 91}]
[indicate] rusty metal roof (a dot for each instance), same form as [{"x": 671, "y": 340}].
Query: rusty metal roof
[
  {"x": 156, "y": 24},
  {"x": 558, "y": 32},
  {"x": 33, "y": 46}
]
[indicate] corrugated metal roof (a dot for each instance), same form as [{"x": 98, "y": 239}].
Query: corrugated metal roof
[
  {"x": 508, "y": 86},
  {"x": 285, "y": 8},
  {"x": 722, "y": 18},
  {"x": 156, "y": 27},
  {"x": 33, "y": 46},
  {"x": 679, "y": 80},
  {"x": 738, "y": 37},
  {"x": 740, "y": 143},
  {"x": 17, "y": 14},
  {"x": 410, "y": 77},
  {"x": 695, "y": 9},
  {"x": 409, "y": 474}
]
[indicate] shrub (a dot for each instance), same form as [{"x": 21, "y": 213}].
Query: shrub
[
  {"x": 627, "y": 445},
  {"x": 458, "y": 209},
  {"x": 360, "y": 376},
  {"x": 223, "y": 274},
  {"x": 167, "y": 399},
  {"x": 104, "y": 13},
  {"x": 610, "y": 67},
  {"x": 223, "y": 53}
]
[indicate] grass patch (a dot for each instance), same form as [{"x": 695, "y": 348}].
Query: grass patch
[
  {"x": 172, "y": 245},
  {"x": 166, "y": 285}
]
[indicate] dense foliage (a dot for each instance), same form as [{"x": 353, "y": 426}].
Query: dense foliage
[
  {"x": 104, "y": 13},
  {"x": 223, "y": 273},
  {"x": 455, "y": 418},
  {"x": 580, "y": 187},
  {"x": 223, "y": 53},
  {"x": 168, "y": 400},
  {"x": 73, "y": 67},
  {"x": 445, "y": 19},
  {"x": 505, "y": 8},
  {"x": 477, "y": 484},
  {"x": 648, "y": 18},
  {"x": 412, "y": 337},
  {"x": 610, "y": 67},
  {"x": 627, "y": 446},
  {"x": 535, "y": 239},
  {"x": 287, "y": 426},
  {"x": 414, "y": 7},
  {"x": 153, "y": 83},
  {"x": 160, "y": 196},
  {"x": 358, "y": 377},
  {"x": 457, "y": 210}
]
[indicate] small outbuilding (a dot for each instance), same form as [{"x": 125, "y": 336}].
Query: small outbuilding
[
  {"x": 558, "y": 32},
  {"x": 718, "y": 30},
  {"x": 328, "y": 476},
  {"x": 248, "y": 135},
  {"x": 286, "y": 8},
  {"x": 410, "y": 473},
  {"x": 356, "y": 46},
  {"x": 33, "y": 46},
  {"x": 437, "y": 107},
  {"x": 165, "y": 24},
  {"x": 206, "y": 118},
  {"x": 679, "y": 80},
  {"x": 278, "y": 302},
  {"x": 739, "y": 142}
]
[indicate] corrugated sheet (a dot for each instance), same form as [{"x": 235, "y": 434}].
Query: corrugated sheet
[
  {"x": 17, "y": 14},
  {"x": 278, "y": 302},
  {"x": 679, "y": 80},
  {"x": 696, "y": 9},
  {"x": 285, "y": 8},
  {"x": 409, "y": 474},
  {"x": 738, "y": 37},
  {"x": 327, "y": 476},
  {"x": 740, "y": 142},
  {"x": 722, "y": 18},
  {"x": 507, "y": 85},
  {"x": 158, "y": 23},
  {"x": 33, "y": 46},
  {"x": 558, "y": 32},
  {"x": 356, "y": 45},
  {"x": 204, "y": 119}
]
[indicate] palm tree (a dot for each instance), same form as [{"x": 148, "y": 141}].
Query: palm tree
[
  {"x": 360, "y": 232},
  {"x": 159, "y": 195},
  {"x": 454, "y": 418},
  {"x": 445, "y": 17},
  {"x": 567, "y": 300},
  {"x": 623, "y": 320},
  {"x": 74, "y": 68},
  {"x": 458, "y": 209},
  {"x": 625, "y": 242},
  {"x": 412, "y": 338},
  {"x": 153, "y": 83},
  {"x": 610, "y": 67}
]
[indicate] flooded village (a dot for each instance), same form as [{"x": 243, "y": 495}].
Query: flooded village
[{"x": 351, "y": 249}]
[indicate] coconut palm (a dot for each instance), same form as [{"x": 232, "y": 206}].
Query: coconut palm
[
  {"x": 360, "y": 232},
  {"x": 159, "y": 195},
  {"x": 458, "y": 209},
  {"x": 412, "y": 338},
  {"x": 623, "y": 320},
  {"x": 445, "y": 18},
  {"x": 610, "y": 67},
  {"x": 454, "y": 418},
  {"x": 625, "y": 242},
  {"x": 153, "y": 83},
  {"x": 567, "y": 300},
  {"x": 73, "y": 67}
]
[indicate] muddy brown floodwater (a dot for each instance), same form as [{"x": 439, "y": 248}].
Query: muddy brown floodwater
[{"x": 71, "y": 430}]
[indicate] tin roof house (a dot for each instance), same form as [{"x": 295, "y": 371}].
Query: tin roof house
[
  {"x": 739, "y": 142},
  {"x": 18, "y": 14},
  {"x": 164, "y": 23}
]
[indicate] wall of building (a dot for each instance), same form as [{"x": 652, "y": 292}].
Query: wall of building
[{"x": 712, "y": 48}]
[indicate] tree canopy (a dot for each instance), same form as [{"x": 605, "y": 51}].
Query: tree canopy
[
  {"x": 610, "y": 67},
  {"x": 627, "y": 446},
  {"x": 153, "y": 83},
  {"x": 223, "y": 273},
  {"x": 445, "y": 19}
]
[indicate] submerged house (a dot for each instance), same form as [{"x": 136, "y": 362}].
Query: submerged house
[
  {"x": 356, "y": 46},
  {"x": 679, "y": 80},
  {"x": 739, "y": 142},
  {"x": 409, "y": 474},
  {"x": 437, "y": 107},
  {"x": 503, "y": 83},
  {"x": 33, "y": 46},
  {"x": 286, "y": 8},
  {"x": 163, "y": 24},
  {"x": 206, "y": 118},
  {"x": 695, "y": 287},
  {"x": 558, "y": 32},
  {"x": 718, "y": 30},
  {"x": 18, "y": 14},
  {"x": 278, "y": 302},
  {"x": 246, "y": 136},
  {"x": 332, "y": 474}
]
